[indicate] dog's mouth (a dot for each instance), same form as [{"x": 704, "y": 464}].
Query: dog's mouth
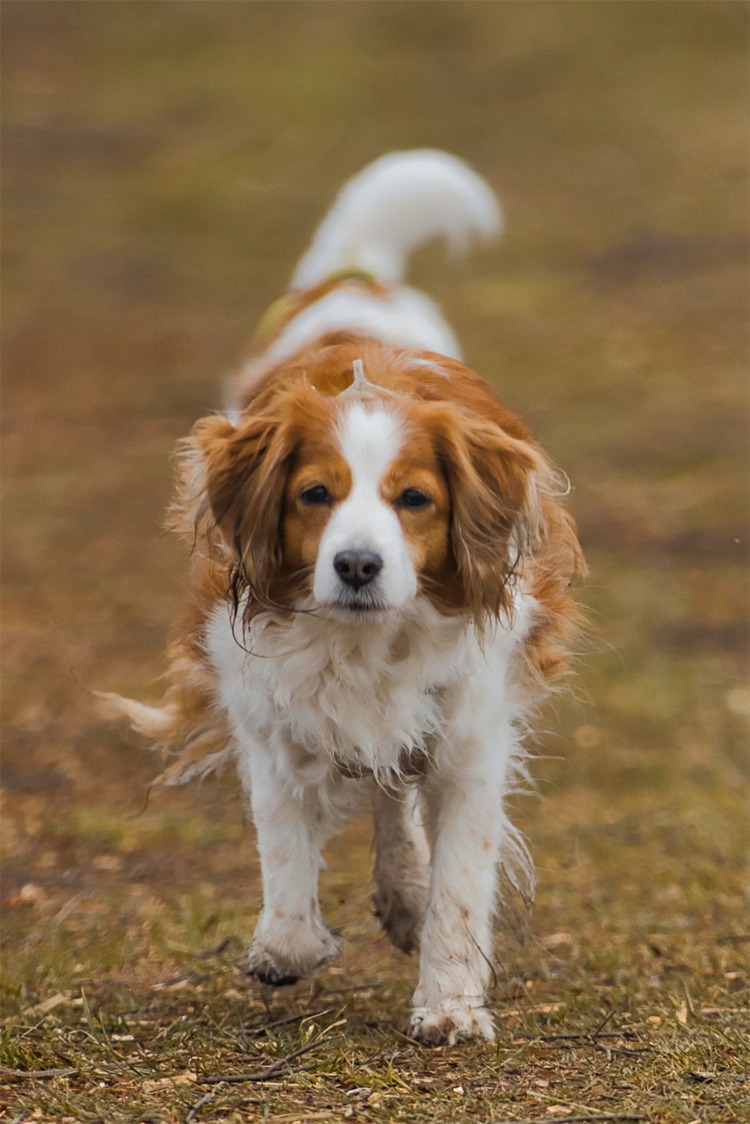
[
  {"x": 347, "y": 604},
  {"x": 362, "y": 602}
]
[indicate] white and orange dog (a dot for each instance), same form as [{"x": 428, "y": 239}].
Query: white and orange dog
[{"x": 380, "y": 596}]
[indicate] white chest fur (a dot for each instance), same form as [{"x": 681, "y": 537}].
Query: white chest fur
[{"x": 364, "y": 694}]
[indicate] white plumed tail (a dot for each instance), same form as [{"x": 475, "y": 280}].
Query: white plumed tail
[{"x": 393, "y": 206}]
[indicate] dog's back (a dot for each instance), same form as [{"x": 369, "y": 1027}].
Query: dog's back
[{"x": 351, "y": 277}]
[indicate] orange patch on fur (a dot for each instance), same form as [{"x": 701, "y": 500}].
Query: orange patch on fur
[
  {"x": 427, "y": 529},
  {"x": 317, "y": 461}
]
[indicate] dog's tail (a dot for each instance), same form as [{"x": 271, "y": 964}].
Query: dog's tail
[{"x": 393, "y": 206}]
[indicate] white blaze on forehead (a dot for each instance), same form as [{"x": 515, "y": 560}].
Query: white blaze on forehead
[
  {"x": 369, "y": 439},
  {"x": 370, "y": 436}
]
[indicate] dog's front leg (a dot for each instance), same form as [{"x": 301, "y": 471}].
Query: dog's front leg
[
  {"x": 467, "y": 823},
  {"x": 291, "y": 939}
]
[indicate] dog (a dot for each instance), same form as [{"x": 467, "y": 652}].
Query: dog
[{"x": 380, "y": 596}]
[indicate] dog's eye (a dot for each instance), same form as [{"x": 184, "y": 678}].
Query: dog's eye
[
  {"x": 413, "y": 499},
  {"x": 318, "y": 494}
]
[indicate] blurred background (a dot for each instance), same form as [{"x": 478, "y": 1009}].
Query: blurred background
[{"x": 164, "y": 165}]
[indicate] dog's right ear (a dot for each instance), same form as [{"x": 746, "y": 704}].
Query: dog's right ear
[{"x": 231, "y": 492}]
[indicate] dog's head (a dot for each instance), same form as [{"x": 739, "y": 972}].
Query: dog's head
[{"x": 361, "y": 502}]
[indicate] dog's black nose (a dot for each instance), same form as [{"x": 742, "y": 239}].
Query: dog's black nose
[{"x": 357, "y": 567}]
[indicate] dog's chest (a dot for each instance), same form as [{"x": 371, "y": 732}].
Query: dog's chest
[{"x": 368, "y": 698}]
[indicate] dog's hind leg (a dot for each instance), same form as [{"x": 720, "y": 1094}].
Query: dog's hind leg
[{"x": 401, "y": 871}]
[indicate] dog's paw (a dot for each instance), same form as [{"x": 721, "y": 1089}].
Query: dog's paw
[
  {"x": 449, "y": 1021},
  {"x": 401, "y": 920},
  {"x": 280, "y": 964},
  {"x": 266, "y": 971}
]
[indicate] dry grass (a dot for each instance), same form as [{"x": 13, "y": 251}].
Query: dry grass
[
  {"x": 624, "y": 997},
  {"x": 163, "y": 166},
  {"x": 200, "y": 1044}
]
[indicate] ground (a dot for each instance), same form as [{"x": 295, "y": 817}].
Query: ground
[{"x": 163, "y": 166}]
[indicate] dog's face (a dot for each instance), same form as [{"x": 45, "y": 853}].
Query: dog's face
[
  {"x": 367, "y": 510},
  {"x": 358, "y": 504}
]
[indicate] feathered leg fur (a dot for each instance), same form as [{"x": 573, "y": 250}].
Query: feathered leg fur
[{"x": 401, "y": 870}]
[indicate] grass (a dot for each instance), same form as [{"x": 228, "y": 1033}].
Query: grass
[
  {"x": 622, "y": 996},
  {"x": 164, "y": 165},
  {"x": 591, "y": 1038}
]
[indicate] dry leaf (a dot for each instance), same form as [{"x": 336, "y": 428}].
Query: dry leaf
[{"x": 157, "y": 1083}]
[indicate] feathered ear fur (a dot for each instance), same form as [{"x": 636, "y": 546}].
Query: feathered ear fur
[
  {"x": 497, "y": 517},
  {"x": 233, "y": 488}
]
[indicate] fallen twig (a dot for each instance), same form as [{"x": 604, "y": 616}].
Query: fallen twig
[
  {"x": 583, "y": 1035},
  {"x": 272, "y": 1070},
  {"x": 255, "y": 1030},
  {"x": 343, "y": 990},
  {"x": 19, "y": 1074},
  {"x": 576, "y": 1041},
  {"x": 382, "y": 1055},
  {"x": 198, "y": 1104},
  {"x": 602, "y": 1024},
  {"x": 209, "y": 952},
  {"x": 585, "y": 1042},
  {"x": 609, "y": 1050},
  {"x": 193, "y": 1113}
]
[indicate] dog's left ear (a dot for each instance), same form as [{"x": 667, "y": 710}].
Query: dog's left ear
[{"x": 497, "y": 510}]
